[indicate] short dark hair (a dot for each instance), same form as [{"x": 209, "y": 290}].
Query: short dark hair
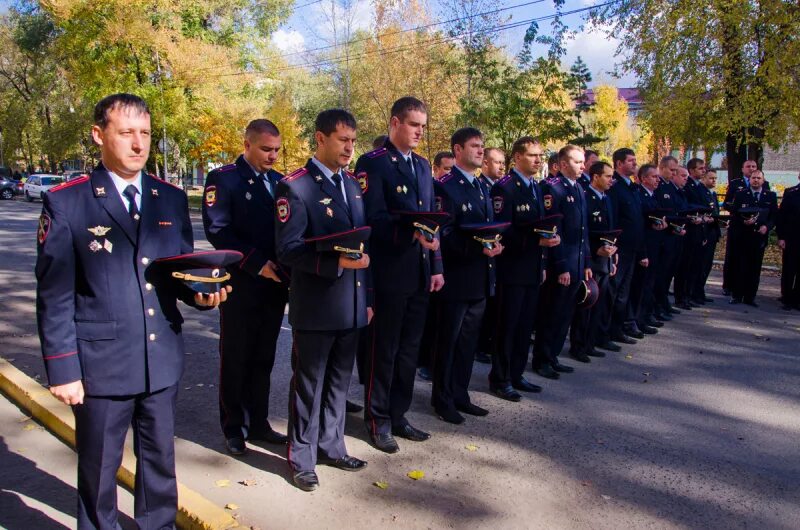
[
  {"x": 621, "y": 154},
  {"x": 644, "y": 169},
  {"x": 566, "y": 150},
  {"x": 328, "y": 120},
  {"x": 597, "y": 168},
  {"x": 121, "y": 100},
  {"x": 521, "y": 145},
  {"x": 694, "y": 162},
  {"x": 461, "y": 136},
  {"x": 379, "y": 141},
  {"x": 405, "y": 105},
  {"x": 552, "y": 159},
  {"x": 590, "y": 152},
  {"x": 666, "y": 160},
  {"x": 261, "y": 126},
  {"x": 488, "y": 150},
  {"x": 437, "y": 160}
]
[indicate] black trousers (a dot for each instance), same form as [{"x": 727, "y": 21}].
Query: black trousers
[
  {"x": 690, "y": 266},
  {"x": 555, "y": 309},
  {"x": 513, "y": 324},
  {"x": 248, "y": 338},
  {"x": 391, "y": 362},
  {"x": 322, "y": 364},
  {"x": 706, "y": 264},
  {"x": 486, "y": 337},
  {"x": 673, "y": 248},
  {"x": 459, "y": 326},
  {"x": 746, "y": 267},
  {"x": 589, "y": 326},
  {"x": 790, "y": 273},
  {"x": 101, "y": 424},
  {"x": 643, "y": 291},
  {"x": 726, "y": 265},
  {"x": 620, "y": 292}
]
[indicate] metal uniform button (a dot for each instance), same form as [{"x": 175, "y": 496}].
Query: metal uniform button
[
  {"x": 420, "y": 203},
  {"x": 152, "y": 337},
  {"x": 358, "y": 284},
  {"x": 148, "y": 286},
  {"x": 151, "y": 311},
  {"x": 145, "y": 260}
]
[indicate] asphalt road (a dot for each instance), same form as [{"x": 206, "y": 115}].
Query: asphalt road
[{"x": 696, "y": 427}]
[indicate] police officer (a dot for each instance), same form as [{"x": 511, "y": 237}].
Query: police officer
[
  {"x": 517, "y": 199},
  {"x": 590, "y": 326},
  {"x": 788, "y": 230},
  {"x": 470, "y": 278},
  {"x": 670, "y": 196},
  {"x": 627, "y": 205},
  {"x": 567, "y": 264},
  {"x": 713, "y": 233},
  {"x": 690, "y": 264},
  {"x": 111, "y": 339},
  {"x": 405, "y": 268},
  {"x": 239, "y": 214},
  {"x": 328, "y": 302},
  {"x": 751, "y": 234}
]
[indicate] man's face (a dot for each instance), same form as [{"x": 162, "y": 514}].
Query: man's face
[
  {"x": 603, "y": 181},
  {"x": 494, "y": 164},
  {"x": 680, "y": 177},
  {"x": 710, "y": 180},
  {"x": 572, "y": 164},
  {"x": 530, "y": 162},
  {"x": 407, "y": 133},
  {"x": 650, "y": 179},
  {"x": 698, "y": 171},
  {"x": 756, "y": 180},
  {"x": 748, "y": 167},
  {"x": 591, "y": 159},
  {"x": 627, "y": 167},
  {"x": 445, "y": 167},
  {"x": 261, "y": 151},
  {"x": 336, "y": 150},
  {"x": 470, "y": 155},
  {"x": 669, "y": 170},
  {"x": 125, "y": 141},
  {"x": 554, "y": 168}
]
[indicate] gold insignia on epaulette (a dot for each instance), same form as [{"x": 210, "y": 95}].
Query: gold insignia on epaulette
[{"x": 99, "y": 231}]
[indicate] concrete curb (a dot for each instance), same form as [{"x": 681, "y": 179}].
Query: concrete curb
[{"x": 195, "y": 512}]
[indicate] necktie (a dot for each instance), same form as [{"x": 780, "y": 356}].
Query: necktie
[
  {"x": 410, "y": 161},
  {"x": 267, "y": 183},
  {"x": 337, "y": 180},
  {"x": 130, "y": 194},
  {"x": 758, "y": 194},
  {"x": 532, "y": 189}
]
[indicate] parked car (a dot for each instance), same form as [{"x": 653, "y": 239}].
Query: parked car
[
  {"x": 36, "y": 185},
  {"x": 69, "y": 175},
  {"x": 8, "y": 188}
]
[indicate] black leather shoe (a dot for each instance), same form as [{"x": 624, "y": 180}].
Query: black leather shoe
[
  {"x": 684, "y": 306},
  {"x": 351, "y": 407},
  {"x": 269, "y": 435},
  {"x": 526, "y": 386},
  {"x": 734, "y": 301},
  {"x": 306, "y": 480},
  {"x": 563, "y": 368},
  {"x": 385, "y": 442},
  {"x": 624, "y": 339},
  {"x": 708, "y": 300},
  {"x": 235, "y": 446},
  {"x": 649, "y": 330},
  {"x": 726, "y": 292},
  {"x": 663, "y": 317},
  {"x": 633, "y": 332},
  {"x": 674, "y": 311},
  {"x": 595, "y": 353},
  {"x": 653, "y": 323},
  {"x": 410, "y": 433},
  {"x": 483, "y": 358},
  {"x": 692, "y": 303},
  {"x": 547, "y": 371},
  {"x": 697, "y": 301},
  {"x": 472, "y": 409},
  {"x": 450, "y": 416},
  {"x": 610, "y": 346},
  {"x": 507, "y": 393},
  {"x": 786, "y": 307},
  {"x": 580, "y": 357},
  {"x": 751, "y": 303},
  {"x": 346, "y": 463},
  {"x": 425, "y": 374}
]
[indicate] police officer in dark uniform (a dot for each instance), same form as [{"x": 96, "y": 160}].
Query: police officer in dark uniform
[
  {"x": 405, "y": 268},
  {"x": 239, "y": 214},
  {"x": 328, "y": 297},
  {"x": 567, "y": 265},
  {"x": 670, "y": 196},
  {"x": 787, "y": 227},
  {"x": 517, "y": 199},
  {"x": 690, "y": 264},
  {"x": 590, "y": 326},
  {"x": 754, "y": 212},
  {"x": 111, "y": 339},
  {"x": 713, "y": 233},
  {"x": 470, "y": 278}
]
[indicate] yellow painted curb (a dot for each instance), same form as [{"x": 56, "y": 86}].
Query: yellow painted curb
[{"x": 195, "y": 512}]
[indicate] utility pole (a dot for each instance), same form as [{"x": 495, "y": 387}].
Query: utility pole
[{"x": 164, "y": 111}]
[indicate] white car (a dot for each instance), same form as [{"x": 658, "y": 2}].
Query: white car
[{"x": 37, "y": 184}]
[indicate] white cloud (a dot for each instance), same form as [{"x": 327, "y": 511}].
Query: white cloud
[
  {"x": 288, "y": 41},
  {"x": 596, "y": 47}
]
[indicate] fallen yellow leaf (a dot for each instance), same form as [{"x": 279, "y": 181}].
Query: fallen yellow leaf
[
  {"x": 629, "y": 356},
  {"x": 231, "y": 506},
  {"x": 472, "y": 447},
  {"x": 223, "y": 483},
  {"x": 416, "y": 474},
  {"x": 381, "y": 484},
  {"x": 29, "y": 427}
]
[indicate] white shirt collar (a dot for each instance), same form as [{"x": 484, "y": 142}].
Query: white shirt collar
[
  {"x": 597, "y": 192},
  {"x": 469, "y": 176},
  {"x": 322, "y": 167},
  {"x": 120, "y": 183}
]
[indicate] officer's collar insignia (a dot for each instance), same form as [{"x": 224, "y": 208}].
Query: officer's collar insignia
[
  {"x": 326, "y": 201},
  {"x": 99, "y": 231},
  {"x": 100, "y": 191},
  {"x": 318, "y": 178},
  {"x": 596, "y": 213},
  {"x": 250, "y": 182},
  {"x": 108, "y": 245},
  {"x": 248, "y": 196},
  {"x": 136, "y": 217},
  {"x": 154, "y": 192},
  {"x": 463, "y": 207},
  {"x": 394, "y": 159},
  {"x": 328, "y": 212},
  {"x": 461, "y": 181}
]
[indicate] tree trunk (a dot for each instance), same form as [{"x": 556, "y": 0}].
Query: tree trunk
[{"x": 736, "y": 154}]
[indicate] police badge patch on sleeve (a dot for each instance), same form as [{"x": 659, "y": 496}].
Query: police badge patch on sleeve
[
  {"x": 548, "y": 202},
  {"x": 211, "y": 196},
  {"x": 282, "y": 207},
  {"x": 438, "y": 202},
  {"x": 497, "y": 202},
  {"x": 44, "y": 228},
  {"x": 363, "y": 181}
]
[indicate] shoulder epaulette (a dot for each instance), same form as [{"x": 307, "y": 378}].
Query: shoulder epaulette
[
  {"x": 228, "y": 167},
  {"x": 420, "y": 157},
  {"x": 504, "y": 180},
  {"x": 446, "y": 177},
  {"x": 552, "y": 180},
  {"x": 295, "y": 174},
  {"x": 376, "y": 153},
  {"x": 349, "y": 174},
  {"x": 65, "y": 185},
  {"x": 168, "y": 183}
]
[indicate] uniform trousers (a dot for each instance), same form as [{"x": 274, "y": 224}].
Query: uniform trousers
[
  {"x": 555, "y": 309},
  {"x": 590, "y": 326},
  {"x": 101, "y": 424},
  {"x": 513, "y": 324}
]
